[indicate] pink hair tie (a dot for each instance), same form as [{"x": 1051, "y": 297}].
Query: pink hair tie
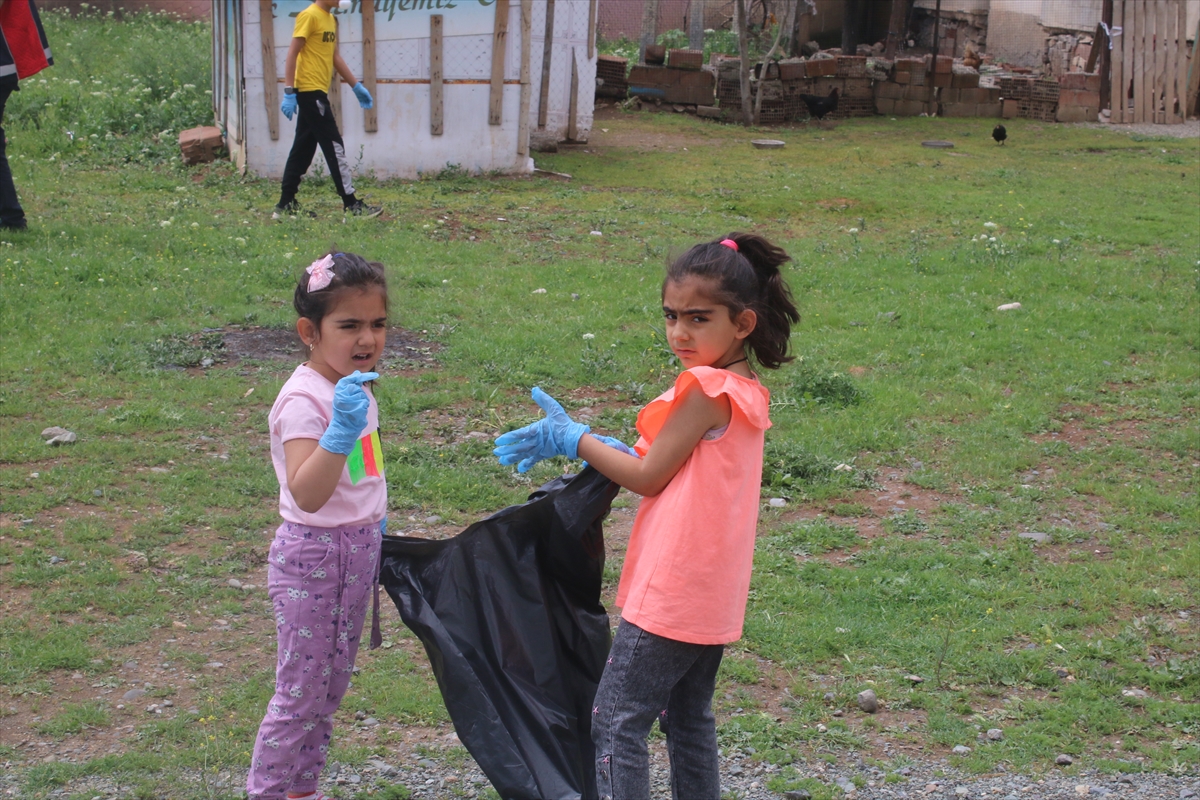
[
  {"x": 731, "y": 244},
  {"x": 320, "y": 273}
]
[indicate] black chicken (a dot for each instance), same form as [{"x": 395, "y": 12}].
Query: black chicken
[
  {"x": 999, "y": 134},
  {"x": 820, "y": 106}
]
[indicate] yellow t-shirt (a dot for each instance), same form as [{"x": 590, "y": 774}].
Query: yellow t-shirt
[{"x": 314, "y": 64}]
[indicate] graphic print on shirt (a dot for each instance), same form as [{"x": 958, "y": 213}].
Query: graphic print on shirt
[{"x": 366, "y": 459}]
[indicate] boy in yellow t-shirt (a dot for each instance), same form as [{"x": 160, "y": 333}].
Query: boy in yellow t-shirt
[{"x": 311, "y": 60}]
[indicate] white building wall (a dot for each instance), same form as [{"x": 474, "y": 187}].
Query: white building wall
[{"x": 404, "y": 146}]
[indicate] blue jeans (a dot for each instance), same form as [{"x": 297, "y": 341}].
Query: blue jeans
[{"x": 650, "y": 677}]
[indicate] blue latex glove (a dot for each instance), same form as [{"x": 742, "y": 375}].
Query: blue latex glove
[
  {"x": 350, "y": 404},
  {"x": 554, "y": 435},
  {"x": 364, "y": 97},
  {"x": 288, "y": 105},
  {"x": 383, "y": 526}
]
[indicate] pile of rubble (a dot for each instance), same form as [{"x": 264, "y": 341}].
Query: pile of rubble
[{"x": 866, "y": 84}]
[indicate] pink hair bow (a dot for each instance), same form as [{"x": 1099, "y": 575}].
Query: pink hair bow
[{"x": 320, "y": 273}]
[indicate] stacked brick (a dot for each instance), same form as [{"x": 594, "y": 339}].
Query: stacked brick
[
  {"x": 682, "y": 86},
  {"x": 952, "y": 90},
  {"x": 610, "y": 77},
  {"x": 1078, "y": 97},
  {"x": 782, "y": 84},
  {"x": 1030, "y": 98}
]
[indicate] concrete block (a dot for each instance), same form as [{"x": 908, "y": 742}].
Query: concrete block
[
  {"x": 1073, "y": 80},
  {"x": 945, "y": 64},
  {"x": 199, "y": 145},
  {"x": 686, "y": 87},
  {"x": 792, "y": 70},
  {"x": 964, "y": 80},
  {"x": 889, "y": 91},
  {"x": 1009, "y": 109},
  {"x": 1078, "y": 97},
  {"x": 910, "y": 65},
  {"x": 885, "y": 105},
  {"x": 957, "y": 109},
  {"x": 989, "y": 110},
  {"x": 951, "y": 95},
  {"x": 910, "y": 108},
  {"x": 709, "y": 112},
  {"x": 821, "y": 67},
  {"x": 918, "y": 94},
  {"x": 685, "y": 59},
  {"x": 942, "y": 79},
  {"x": 1077, "y": 114},
  {"x": 857, "y": 89}
]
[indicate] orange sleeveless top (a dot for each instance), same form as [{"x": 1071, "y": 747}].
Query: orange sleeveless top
[{"x": 687, "y": 568}]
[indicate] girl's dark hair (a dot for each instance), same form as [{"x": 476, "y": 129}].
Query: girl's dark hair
[
  {"x": 350, "y": 271},
  {"x": 747, "y": 278}
]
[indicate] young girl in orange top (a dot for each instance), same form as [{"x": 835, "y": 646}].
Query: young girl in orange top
[{"x": 687, "y": 569}]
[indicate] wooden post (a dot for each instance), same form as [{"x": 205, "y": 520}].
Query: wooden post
[
  {"x": 744, "y": 53},
  {"x": 547, "y": 51},
  {"x": 370, "y": 116},
  {"x": 1117, "y": 84},
  {"x": 1181, "y": 62},
  {"x": 436, "y": 104},
  {"x": 1105, "y": 63},
  {"x": 1160, "y": 59},
  {"x": 573, "y": 105},
  {"x": 526, "y": 77},
  {"x": 593, "y": 10},
  {"x": 1127, "y": 113},
  {"x": 1193, "y": 83},
  {"x": 696, "y": 24},
  {"x": 1139, "y": 60},
  {"x": 1167, "y": 42},
  {"x": 1098, "y": 42},
  {"x": 499, "y": 50},
  {"x": 896, "y": 32},
  {"x": 933, "y": 93},
  {"x": 266, "y": 21}
]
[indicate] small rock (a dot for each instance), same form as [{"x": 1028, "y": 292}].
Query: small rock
[
  {"x": 370, "y": 722},
  {"x": 56, "y": 560},
  {"x": 133, "y": 694},
  {"x": 353, "y": 779},
  {"x": 206, "y": 362},
  {"x": 432, "y": 519},
  {"x": 837, "y": 712},
  {"x": 234, "y": 583},
  {"x": 1187, "y": 794},
  {"x": 97, "y": 493},
  {"x": 425, "y": 762},
  {"x": 868, "y": 702},
  {"x": 214, "y": 665},
  {"x": 735, "y": 770},
  {"x": 821, "y": 728},
  {"x": 1135, "y": 693},
  {"x": 995, "y": 734},
  {"x": 1064, "y": 760},
  {"x": 777, "y": 502},
  {"x": 1083, "y": 790},
  {"x": 168, "y": 703},
  {"x": 846, "y": 786},
  {"x": 1035, "y": 536},
  {"x": 914, "y": 679},
  {"x": 830, "y": 697},
  {"x": 51, "y": 432},
  {"x": 961, "y": 791},
  {"x": 797, "y": 794},
  {"x": 65, "y": 438},
  {"x": 1009, "y": 307},
  {"x": 961, "y": 750},
  {"x": 360, "y": 715}
]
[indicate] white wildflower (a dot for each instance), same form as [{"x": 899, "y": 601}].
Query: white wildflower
[
  {"x": 589, "y": 336},
  {"x": 989, "y": 225}
]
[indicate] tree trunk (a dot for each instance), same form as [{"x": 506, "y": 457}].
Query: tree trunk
[
  {"x": 767, "y": 60},
  {"x": 744, "y": 52},
  {"x": 696, "y": 25},
  {"x": 649, "y": 28},
  {"x": 896, "y": 31}
]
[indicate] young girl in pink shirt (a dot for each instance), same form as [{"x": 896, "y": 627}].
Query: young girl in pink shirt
[
  {"x": 698, "y": 466},
  {"x": 323, "y": 565}
]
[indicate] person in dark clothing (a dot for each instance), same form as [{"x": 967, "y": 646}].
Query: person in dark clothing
[
  {"x": 311, "y": 61},
  {"x": 24, "y": 51}
]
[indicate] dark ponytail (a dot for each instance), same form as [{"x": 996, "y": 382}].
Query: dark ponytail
[
  {"x": 747, "y": 278},
  {"x": 350, "y": 271}
]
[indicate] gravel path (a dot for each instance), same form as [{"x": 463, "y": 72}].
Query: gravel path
[
  {"x": 1188, "y": 130},
  {"x": 432, "y": 778}
]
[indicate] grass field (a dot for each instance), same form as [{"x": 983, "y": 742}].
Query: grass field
[{"x": 917, "y": 436}]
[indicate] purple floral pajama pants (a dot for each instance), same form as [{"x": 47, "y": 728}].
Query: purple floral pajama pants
[{"x": 321, "y": 582}]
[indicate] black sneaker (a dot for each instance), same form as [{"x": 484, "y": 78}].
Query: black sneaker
[
  {"x": 18, "y": 225},
  {"x": 361, "y": 209},
  {"x": 283, "y": 212}
]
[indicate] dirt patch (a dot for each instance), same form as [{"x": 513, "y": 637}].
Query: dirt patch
[
  {"x": 614, "y": 129},
  {"x": 404, "y": 350}
]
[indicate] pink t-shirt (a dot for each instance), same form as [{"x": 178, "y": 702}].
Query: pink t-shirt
[
  {"x": 687, "y": 568},
  {"x": 303, "y": 410}
]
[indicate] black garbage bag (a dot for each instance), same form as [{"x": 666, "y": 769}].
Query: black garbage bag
[{"x": 509, "y": 612}]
